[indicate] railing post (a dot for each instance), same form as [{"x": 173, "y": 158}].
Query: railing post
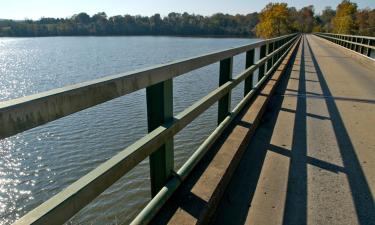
[
  {"x": 249, "y": 62},
  {"x": 277, "y": 55},
  {"x": 225, "y": 76},
  {"x": 346, "y": 42},
  {"x": 368, "y": 53},
  {"x": 262, "y": 54},
  {"x": 269, "y": 61},
  {"x": 349, "y": 44},
  {"x": 358, "y": 46},
  {"x": 275, "y": 47},
  {"x": 159, "y": 111}
]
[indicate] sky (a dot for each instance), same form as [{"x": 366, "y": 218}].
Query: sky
[{"x": 35, "y": 9}]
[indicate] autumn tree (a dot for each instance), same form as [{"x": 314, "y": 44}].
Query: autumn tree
[
  {"x": 361, "y": 19},
  {"x": 365, "y": 21},
  {"x": 344, "y": 20},
  {"x": 273, "y": 21},
  {"x": 371, "y": 22}
]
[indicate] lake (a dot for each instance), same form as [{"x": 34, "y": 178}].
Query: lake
[{"x": 37, "y": 164}]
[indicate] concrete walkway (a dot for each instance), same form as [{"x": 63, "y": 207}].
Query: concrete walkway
[{"x": 312, "y": 160}]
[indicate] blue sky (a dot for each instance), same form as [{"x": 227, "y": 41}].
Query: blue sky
[{"x": 34, "y": 9}]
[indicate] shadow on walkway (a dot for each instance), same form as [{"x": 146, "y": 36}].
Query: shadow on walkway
[
  {"x": 360, "y": 190},
  {"x": 296, "y": 196},
  {"x": 247, "y": 174},
  {"x": 239, "y": 195}
]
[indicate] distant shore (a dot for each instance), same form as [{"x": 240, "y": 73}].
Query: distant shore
[{"x": 140, "y": 35}]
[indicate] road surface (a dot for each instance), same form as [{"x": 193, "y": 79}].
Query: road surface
[{"x": 312, "y": 160}]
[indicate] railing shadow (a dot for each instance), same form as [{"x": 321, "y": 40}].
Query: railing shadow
[
  {"x": 190, "y": 203},
  {"x": 239, "y": 195},
  {"x": 296, "y": 197},
  {"x": 240, "y": 191},
  {"x": 360, "y": 190}
]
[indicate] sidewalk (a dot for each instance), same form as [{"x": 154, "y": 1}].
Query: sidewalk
[{"x": 312, "y": 160}]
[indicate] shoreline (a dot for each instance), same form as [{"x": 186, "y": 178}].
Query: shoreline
[{"x": 140, "y": 35}]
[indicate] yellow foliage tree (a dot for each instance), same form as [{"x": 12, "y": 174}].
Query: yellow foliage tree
[
  {"x": 273, "y": 21},
  {"x": 317, "y": 28},
  {"x": 343, "y": 22}
]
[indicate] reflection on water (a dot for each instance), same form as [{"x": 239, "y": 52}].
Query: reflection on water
[{"x": 39, "y": 163}]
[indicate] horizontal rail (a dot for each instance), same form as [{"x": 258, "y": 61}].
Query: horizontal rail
[
  {"x": 65, "y": 204},
  {"x": 24, "y": 113},
  {"x": 161, "y": 198},
  {"x": 349, "y": 35},
  {"x": 360, "y": 44},
  {"x": 347, "y": 41}
]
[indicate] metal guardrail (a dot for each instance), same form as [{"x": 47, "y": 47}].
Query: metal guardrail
[
  {"x": 24, "y": 113},
  {"x": 361, "y": 44}
]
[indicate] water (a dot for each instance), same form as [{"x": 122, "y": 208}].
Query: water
[{"x": 37, "y": 164}]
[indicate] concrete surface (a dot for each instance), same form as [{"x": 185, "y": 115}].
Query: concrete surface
[
  {"x": 361, "y": 58},
  {"x": 312, "y": 160},
  {"x": 198, "y": 197}
]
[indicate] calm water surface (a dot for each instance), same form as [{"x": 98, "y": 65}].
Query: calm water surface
[{"x": 39, "y": 163}]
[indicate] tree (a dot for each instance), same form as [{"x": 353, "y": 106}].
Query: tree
[
  {"x": 82, "y": 18},
  {"x": 317, "y": 28},
  {"x": 361, "y": 20},
  {"x": 307, "y": 19},
  {"x": 371, "y": 22},
  {"x": 302, "y": 20},
  {"x": 100, "y": 26},
  {"x": 326, "y": 19},
  {"x": 156, "y": 23},
  {"x": 273, "y": 21},
  {"x": 344, "y": 20},
  {"x": 365, "y": 21}
]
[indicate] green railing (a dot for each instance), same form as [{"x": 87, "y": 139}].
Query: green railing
[
  {"x": 361, "y": 44},
  {"x": 24, "y": 113}
]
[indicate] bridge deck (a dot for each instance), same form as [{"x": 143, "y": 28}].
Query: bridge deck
[{"x": 312, "y": 161}]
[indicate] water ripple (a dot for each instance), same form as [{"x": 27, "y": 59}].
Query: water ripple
[{"x": 39, "y": 163}]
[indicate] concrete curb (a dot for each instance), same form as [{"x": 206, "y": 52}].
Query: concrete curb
[{"x": 195, "y": 202}]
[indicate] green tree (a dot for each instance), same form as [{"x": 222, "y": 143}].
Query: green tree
[
  {"x": 307, "y": 19},
  {"x": 326, "y": 19},
  {"x": 82, "y": 18}
]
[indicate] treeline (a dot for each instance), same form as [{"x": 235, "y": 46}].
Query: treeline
[
  {"x": 100, "y": 24},
  {"x": 278, "y": 19},
  {"x": 274, "y": 20}
]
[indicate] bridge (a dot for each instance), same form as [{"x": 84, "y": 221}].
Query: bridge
[{"x": 298, "y": 148}]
